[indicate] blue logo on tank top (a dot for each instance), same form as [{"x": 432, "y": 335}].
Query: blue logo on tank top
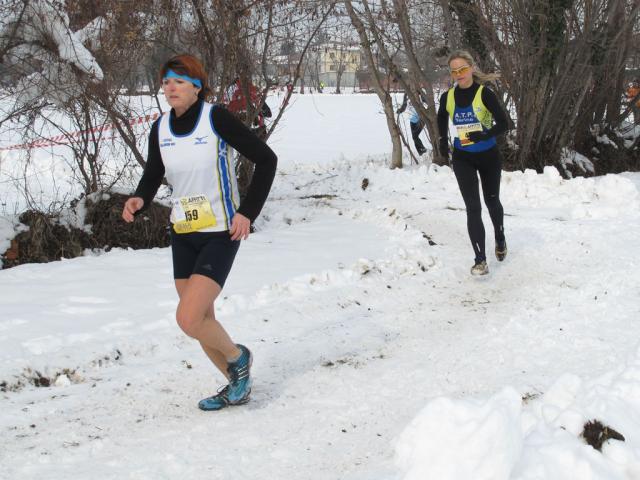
[
  {"x": 200, "y": 140},
  {"x": 167, "y": 142},
  {"x": 461, "y": 117}
]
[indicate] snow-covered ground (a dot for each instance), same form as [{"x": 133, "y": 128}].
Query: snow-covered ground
[{"x": 377, "y": 355}]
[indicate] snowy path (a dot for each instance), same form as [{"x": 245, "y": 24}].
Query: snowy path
[{"x": 347, "y": 351}]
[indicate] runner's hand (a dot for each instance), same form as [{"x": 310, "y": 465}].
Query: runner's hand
[
  {"x": 240, "y": 226},
  {"x": 476, "y": 137},
  {"x": 131, "y": 206}
]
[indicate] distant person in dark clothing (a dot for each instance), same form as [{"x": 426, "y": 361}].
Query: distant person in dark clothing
[
  {"x": 478, "y": 118},
  {"x": 416, "y": 124}
]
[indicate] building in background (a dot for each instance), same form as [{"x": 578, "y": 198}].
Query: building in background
[{"x": 338, "y": 63}]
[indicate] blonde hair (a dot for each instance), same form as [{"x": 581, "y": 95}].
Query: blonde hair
[{"x": 478, "y": 75}]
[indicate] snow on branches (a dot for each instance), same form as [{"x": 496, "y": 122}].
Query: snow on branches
[{"x": 45, "y": 60}]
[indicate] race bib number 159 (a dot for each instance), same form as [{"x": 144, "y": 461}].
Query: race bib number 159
[{"x": 190, "y": 214}]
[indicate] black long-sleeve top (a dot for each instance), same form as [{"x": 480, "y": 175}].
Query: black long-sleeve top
[
  {"x": 464, "y": 98},
  {"x": 236, "y": 134}
]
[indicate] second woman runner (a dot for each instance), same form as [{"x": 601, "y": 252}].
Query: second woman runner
[{"x": 476, "y": 113}]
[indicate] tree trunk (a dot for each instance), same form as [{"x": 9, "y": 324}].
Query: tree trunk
[
  {"x": 339, "y": 78},
  {"x": 419, "y": 86},
  {"x": 376, "y": 77}
]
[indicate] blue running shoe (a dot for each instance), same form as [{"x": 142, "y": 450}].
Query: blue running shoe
[
  {"x": 216, "y": 402},
  {"x": 240, "y": 378}
]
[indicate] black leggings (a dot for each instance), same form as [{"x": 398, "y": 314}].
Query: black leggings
[
  {"x": 467, "y": 166},
  {"x": 416, "y": 130}
]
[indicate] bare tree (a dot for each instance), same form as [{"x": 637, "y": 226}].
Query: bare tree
[
  {"x": 90, "y": 94},
  {"x": 405, "y": 36},
  {"x": 242, "y": 40},
  {"x": 369, "y": 33},
  {"x": 422, "y": 69},
  {"x": 562, "y": 64}
]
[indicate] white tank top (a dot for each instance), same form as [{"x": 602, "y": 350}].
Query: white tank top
[{"x": 200, "y": 163}]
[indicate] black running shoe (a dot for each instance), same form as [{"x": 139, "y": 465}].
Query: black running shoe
[
  {"x": 480, "y": 268},
  {"x": 501, "y": 250}
]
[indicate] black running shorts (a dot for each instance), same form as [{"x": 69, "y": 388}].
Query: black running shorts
[{"x": 206, "y": 253}]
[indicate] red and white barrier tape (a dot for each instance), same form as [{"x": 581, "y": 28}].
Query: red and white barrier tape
[{"x": 67, "y": 137}]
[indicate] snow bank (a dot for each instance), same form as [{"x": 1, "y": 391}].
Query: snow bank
[{"x": 535, "y": 438}]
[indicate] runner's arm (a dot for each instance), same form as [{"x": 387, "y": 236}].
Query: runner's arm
[
  {"x": 443, "y": 125},
  {"x": 501, "y": 125},
  {"x": 244, "y": 141},
  {"x": 153, "y": 171}
]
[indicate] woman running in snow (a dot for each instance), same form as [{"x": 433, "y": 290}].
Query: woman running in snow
[
  {"x": 475, "y": 112},
  {"x": 191, "y": 145}
]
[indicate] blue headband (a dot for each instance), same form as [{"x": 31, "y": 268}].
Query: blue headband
[{"x": 172, "y": 74}]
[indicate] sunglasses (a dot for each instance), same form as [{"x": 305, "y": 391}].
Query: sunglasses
[{"x": 460, "y": 71}]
